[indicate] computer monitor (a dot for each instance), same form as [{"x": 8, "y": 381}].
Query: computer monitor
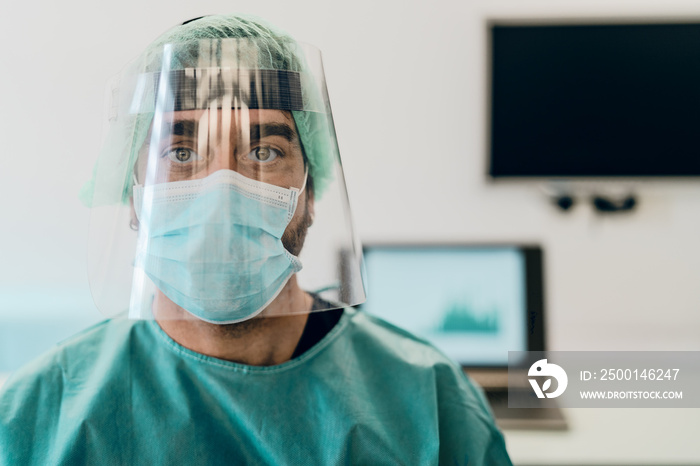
[{"x": 474, "y": 302}]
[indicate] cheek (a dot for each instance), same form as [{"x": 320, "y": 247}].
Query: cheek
[
  {"x": 303, "y": 218},
  {"x": 300, "y": 213}
]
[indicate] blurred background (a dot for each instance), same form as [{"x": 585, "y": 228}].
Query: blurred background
[{"x": 409, "y": 83}]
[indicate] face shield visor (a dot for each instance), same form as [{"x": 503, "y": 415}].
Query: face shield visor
[{"x": 219, "y": 190}]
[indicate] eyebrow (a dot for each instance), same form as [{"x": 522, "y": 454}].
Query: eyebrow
[
  {"x": 182, "y": 128},
  {"x": 272, "y": 129},
  {"x": 188, "y": 128}
]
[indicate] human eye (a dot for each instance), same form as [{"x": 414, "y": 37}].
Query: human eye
[
  {"x": 182, "y": 155},
  {"x": 264, "y": 154}
]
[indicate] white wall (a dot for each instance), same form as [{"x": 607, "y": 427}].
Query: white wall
[{"x": 407, "y": 85}]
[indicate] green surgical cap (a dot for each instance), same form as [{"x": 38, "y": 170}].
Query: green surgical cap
[{"x": 276, "y": 50}]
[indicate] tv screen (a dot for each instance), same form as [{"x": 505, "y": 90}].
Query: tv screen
[{"x": 605, "y": 100}]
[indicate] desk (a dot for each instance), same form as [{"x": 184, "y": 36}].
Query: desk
[{"x": 612, "y": 437}]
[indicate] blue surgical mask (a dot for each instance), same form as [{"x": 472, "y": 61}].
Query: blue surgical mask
[{"x": 213, "y": 246}]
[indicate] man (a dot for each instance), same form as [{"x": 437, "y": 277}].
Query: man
[{"x": 220, "y": 160}]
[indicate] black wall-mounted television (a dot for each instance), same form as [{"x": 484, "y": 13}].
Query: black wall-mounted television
[{"x": 594, "y": 100}]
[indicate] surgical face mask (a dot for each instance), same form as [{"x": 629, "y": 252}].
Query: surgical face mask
[{"x": 213, "y": 246}]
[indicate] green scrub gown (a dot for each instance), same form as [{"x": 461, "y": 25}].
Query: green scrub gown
[{"x": 124, "y": 393}]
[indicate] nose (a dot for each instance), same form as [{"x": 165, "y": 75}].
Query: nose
[
  {"x": 218, "y": 137},
  {"x": 221, "y": 157}
]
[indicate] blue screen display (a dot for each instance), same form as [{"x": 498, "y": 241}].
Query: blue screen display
[{"x": 468, "y": 301}]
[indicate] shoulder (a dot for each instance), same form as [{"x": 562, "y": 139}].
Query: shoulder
[
  {"x": 77, "y": 352},
  {"x": 395, "y": 343},
  {"x": 414, "y": 367},
  {"x": 403, "y": 351},
  {"x": 36, "y": 396},
  {"x": 65, "y": 358}
]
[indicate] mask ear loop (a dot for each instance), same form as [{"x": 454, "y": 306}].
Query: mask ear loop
[{"x": 306, "y": 177}]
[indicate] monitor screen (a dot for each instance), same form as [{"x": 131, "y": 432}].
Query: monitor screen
[
  {"x": 595, "y": 100},
  {"x": 469, "y": 301}
]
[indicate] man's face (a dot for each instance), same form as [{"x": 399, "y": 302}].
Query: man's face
[{"x": 260, "y": 144}]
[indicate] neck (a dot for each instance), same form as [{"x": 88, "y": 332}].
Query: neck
[{"x": 266, "y": 340}]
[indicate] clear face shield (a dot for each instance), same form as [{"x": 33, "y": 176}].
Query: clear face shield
[{"x": 220, "y": 190}]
